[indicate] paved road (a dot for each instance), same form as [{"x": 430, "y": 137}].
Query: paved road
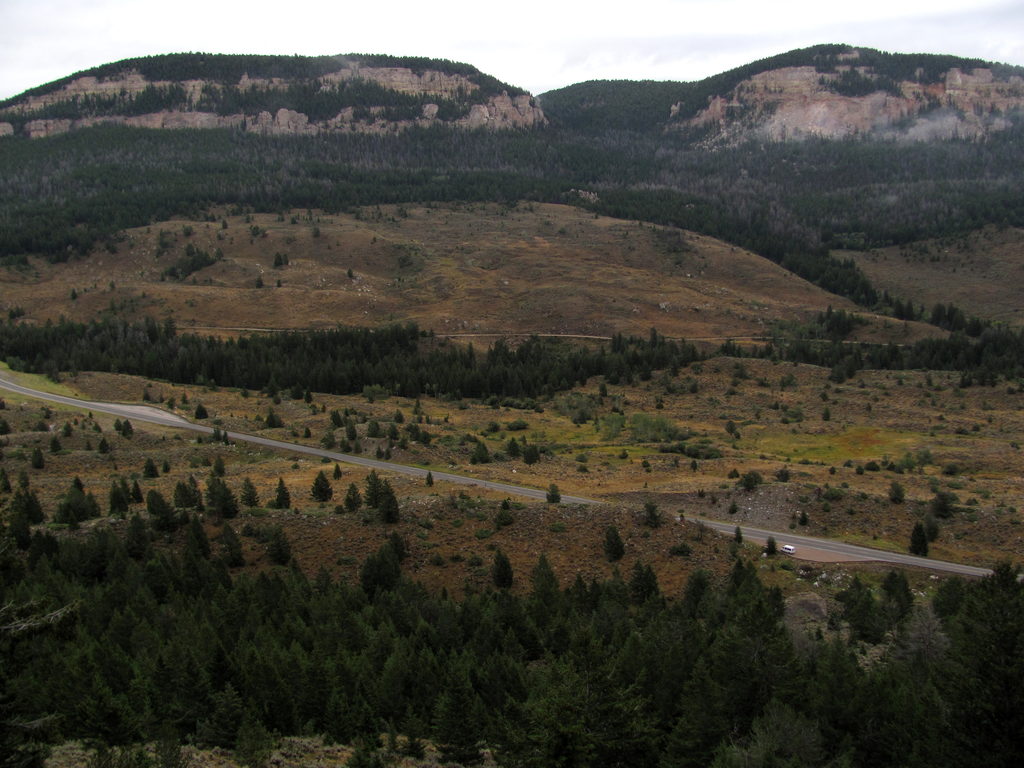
[
  {"x": 848, "y": 550},
  {"x": 154, "y": 415}
]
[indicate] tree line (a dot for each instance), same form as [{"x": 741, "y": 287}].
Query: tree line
[{"x": 400, "y": 359}]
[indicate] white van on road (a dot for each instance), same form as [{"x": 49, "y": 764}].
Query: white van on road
[{"x": 788, "y": 549}]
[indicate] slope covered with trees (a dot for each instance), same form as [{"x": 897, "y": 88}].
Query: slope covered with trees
[{"x": 601, "y": 674}]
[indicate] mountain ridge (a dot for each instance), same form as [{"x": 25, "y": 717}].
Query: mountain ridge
[
  {"x": 827, "y": 91},
  {"x": 271, "y": 95},
  {"x": 830, "y": 91}
]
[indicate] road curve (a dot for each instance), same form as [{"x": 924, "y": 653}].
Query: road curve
[{"x": 153, "y": 415}]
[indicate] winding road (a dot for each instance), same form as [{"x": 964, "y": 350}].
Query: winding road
[{"x": 153, "y": 415}]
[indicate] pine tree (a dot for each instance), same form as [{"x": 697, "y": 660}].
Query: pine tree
[
  {"x": 220, "y": 500},
  {"x": 388, "y": 508},
  {"x": 321, "y": 490},
  {"x": 136, "y": 541},
  {"x": 119, "y": 499},
  {"x": 614, "y": 549},
  {"x": 197, "y": 544},
  {"x": 282, "y": 499},
  {"x": 248, "y": 495},
  {"x": 149, "y": 469},
  {"x": 457, "y": 721},
  {"x": 231, "y": 547},
  {"x": 554, "y": 496},
  {"x": 278, "y": 547},
  {"x": 353, "y": 500},
  {"x": 161, "y": 514},
  {"x": 919, "y": 541},
  {"x": 501, "y": 571},
  {"x": 374, "y": 489}
]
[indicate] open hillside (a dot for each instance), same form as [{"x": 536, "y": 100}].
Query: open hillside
[
  {"x": 469, "y": 270},
  {"x": 980, "y": 272}
]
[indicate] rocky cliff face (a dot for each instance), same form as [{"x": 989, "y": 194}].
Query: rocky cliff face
[
  {"x": 497, "y": 112},
  {"x": 800, "y": 102}
]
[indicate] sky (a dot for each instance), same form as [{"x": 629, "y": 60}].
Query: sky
[{"x": 538, "y": 45}]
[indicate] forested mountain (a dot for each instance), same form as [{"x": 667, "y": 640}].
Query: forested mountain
[
  {"x": 861, "y": 91},
  {"x": 606, "y": 149},
  {"x": 270, "y": 94}
]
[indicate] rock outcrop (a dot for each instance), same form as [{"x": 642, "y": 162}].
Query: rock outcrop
[
  {"x": 498, "y": 112},
  {"x": 799, "y": 102}
]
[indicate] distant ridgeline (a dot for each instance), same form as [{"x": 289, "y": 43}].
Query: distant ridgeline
[
  {"x": 317, "y": 94},
  {"x": 844, "y": 88},
  {"x": 337, "y": 132}
]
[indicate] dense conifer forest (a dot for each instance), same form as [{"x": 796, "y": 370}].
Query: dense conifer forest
[
  {"x": 789, "y": 202},
  {"x": 404, "y": 361},
  {"x": 598, "y": 674}
]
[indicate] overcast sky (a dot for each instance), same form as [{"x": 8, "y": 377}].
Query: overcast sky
[{"x": 535, "y": 44}]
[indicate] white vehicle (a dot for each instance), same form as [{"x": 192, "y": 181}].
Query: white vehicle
[{"x": 788, "y": 549}]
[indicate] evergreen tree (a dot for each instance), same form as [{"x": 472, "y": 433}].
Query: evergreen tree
[
  {"x": 480, "y": 454},
  {"x": 221, "y": 728},
  {"x": 149, "y": 470},
  {"x": 919, "y": 541},
  {"x": 76, "y": 506},
  {"x": 388, "y": 508},
  {"x": 353, "y": 499},
  {"x": 380, "y": 571},
  {"x": 26, "y": 504},
  {"x": 136, "y": 541},
  {"x": 220, "y": 500},
  {"x": 278, "y": 547},
  {"x": 187, "y": 495},
  {"x": 197, "y": 544},
  {"x": 457, "y": 721},
  {"x": 614, "y": 549},
  {"x": 282, "y": 499},
  {"x": 501, "y": 570},
  {"x": 231, "y": 547},
  {"x": 531, "y": 454},
  {"x": 161, "y": 514},
  {"x": 321, "y": 490},
  {"x": 643, "y": 585},
  {"x": 374, "y": 489},
  {"x": 248, "y": 495},
  {"x": 553, "y": 494},
  {"x": 119, "y": 499}
]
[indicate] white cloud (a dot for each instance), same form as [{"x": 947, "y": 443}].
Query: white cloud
[{"x": 537, "y": 45}]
